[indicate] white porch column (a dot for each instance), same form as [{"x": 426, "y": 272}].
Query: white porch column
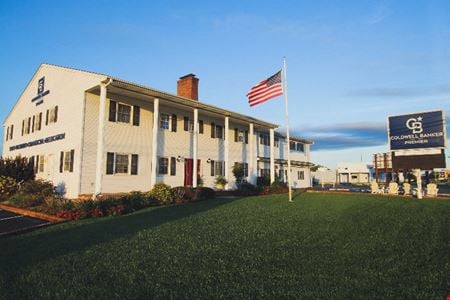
[
  {"x": 154, "y": 164},
  {"x": 195, "y": 150},
  {"x": 227, "y": 148},
  {"x": 251, "y": 155},
  {"x": 100, "y": 141},
  {"x": 272, "y": 155}
]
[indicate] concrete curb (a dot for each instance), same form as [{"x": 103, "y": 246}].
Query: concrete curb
[{"x": 34, "y": 214}]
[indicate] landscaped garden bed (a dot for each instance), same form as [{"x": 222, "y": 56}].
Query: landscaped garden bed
[{"x": 19, "y": 188}]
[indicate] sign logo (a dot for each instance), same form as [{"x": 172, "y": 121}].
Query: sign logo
[
  {"x": 417, "y": 131},
  {"x": 415, "y": 125},
  {"x": 39, "y": 99}
]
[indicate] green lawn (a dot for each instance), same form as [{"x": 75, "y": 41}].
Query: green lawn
[{"x": 320, "y": 246}]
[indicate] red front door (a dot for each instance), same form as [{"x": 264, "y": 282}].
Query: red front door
[{"x": 189, "y": 170}]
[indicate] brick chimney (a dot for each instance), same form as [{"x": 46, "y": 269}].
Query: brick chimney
[{"x": 187, "y": 86}]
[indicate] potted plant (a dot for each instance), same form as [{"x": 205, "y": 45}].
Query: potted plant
[{"x": 220, "y": 182}]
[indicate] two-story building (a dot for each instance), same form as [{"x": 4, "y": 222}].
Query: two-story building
[{"x": 91, "y": 133}]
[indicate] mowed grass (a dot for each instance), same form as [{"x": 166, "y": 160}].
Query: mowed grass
[{"x": 320, "y": 246}]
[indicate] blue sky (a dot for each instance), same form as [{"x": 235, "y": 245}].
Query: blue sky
[{"x": 350, "y": 64}]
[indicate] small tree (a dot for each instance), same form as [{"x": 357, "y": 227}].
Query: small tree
[
  {"x": 19, "y": 168},
  {"x": 238, "y": 172}
]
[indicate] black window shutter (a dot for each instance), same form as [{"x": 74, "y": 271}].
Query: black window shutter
[
  {"x": 136, "y": 115},
  {"x": 32, "y": 125},
  {"x": 11, "y": 131},
  {"x": 174, "y": 123},
  {"x": 72, "y": 156},
  {"x": 173, "y": 166},
  {"x": 109, "y": 163},
  {"x": 212, "y": 168},
  {"x": 36, "y": 168},
  {"x": 7, "y": 133},
  {"x": 46, "y": 118},
  {"x": 23, "y": 125},
  {"x": 61, "y": 162},
  {"x": 29, "y": 124},
  {"x": 112, "y": 110},
  {"x": 56, "y": 113},
  {"x": 246, "y": 137},
  {"x": 236, "y": 133},
  {"x": 213, "y": 131},
  {"x": 200, "y": 126},
  {"x": 40, "y": 121},
  {"x": 186, "y": 123},
  {"x": 134, "y": 164}
]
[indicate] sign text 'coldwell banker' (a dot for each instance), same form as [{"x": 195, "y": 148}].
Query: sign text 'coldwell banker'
[{"x": 418, "y": 130}]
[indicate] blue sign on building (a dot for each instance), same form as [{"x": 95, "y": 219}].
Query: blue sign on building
[{"x": 417, "y": 130}]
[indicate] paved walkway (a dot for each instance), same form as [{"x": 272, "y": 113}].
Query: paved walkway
[{"x": 11, "y": 223}]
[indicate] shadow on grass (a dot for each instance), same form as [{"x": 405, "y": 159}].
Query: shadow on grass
[{"x": 21, "y": 252}]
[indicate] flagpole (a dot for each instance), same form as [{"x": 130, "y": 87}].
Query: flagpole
[{"x": 285, "y": 93}]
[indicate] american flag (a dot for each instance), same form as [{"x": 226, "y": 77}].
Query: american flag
[{"x": 265, "y": 90}]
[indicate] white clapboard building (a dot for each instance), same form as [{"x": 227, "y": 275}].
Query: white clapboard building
[{"x": 92, "y": 133}]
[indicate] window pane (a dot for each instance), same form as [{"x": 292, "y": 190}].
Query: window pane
[
  {"x": 123, "y": 113},
  {"x": 41, "y": 163},
  {"x": 122, "y": 163},
  {"x": 163, "y": 165},
  {"x": 164, "y": 121},
  {"x": 67, "y": 158}
]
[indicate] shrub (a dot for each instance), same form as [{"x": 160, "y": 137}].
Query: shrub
[
  {"x": 247, "y": 189},
  {"x": 56, "y": 204},
  {"x": 25, "y": 200},
  {"x": 263, "y": 181},
  {"x": 161, "y": 193},
  {"x": 220, "y": 180},
  {"x": 38, "y": 187},
  {"x": 135, "y": 200},
  {"x": 204, "y": 193},
  {"x": 8, "y": 186},
  {"x": 179, "y": 193},
  {"x": 278, "y": 187}
]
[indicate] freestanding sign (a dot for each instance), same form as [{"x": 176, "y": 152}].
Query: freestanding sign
[
  {"x": 417, "y": 141},
  {"x": 417, "y": 131}
]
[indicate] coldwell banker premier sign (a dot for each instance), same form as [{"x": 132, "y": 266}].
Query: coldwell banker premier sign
[{"x": 417, "y": 130}]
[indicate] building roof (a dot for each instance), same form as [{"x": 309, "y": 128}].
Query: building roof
[
  {"x": 146, "y": 90},
  {"x": 294, "y": 138}
]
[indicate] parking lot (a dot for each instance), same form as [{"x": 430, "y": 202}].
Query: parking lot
[{"x": 11, "y": 223}]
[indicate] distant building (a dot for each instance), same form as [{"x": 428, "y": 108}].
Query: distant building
[
  {"x": 324, "y": 176},
  {"x": 354, "y": 172}
]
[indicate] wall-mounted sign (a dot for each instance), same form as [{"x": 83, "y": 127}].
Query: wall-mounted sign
[
  {"x": 39, "y": 99},
  {"x": 46, "y": 140},
  {"x": 417, "y": 130}
]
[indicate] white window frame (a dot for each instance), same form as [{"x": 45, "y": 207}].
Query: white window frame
[
  {"x": 241, "y": 136},
  {"x": 161, "y": 120},
  {"x": 120, "y": 114},
  {"x": 66, "y": 161},
  {"x": 41, "y": 165},
  {"x": 116, "y": 155},
  {"x": 52, "y": 115},
  {"x": 167, "y": 159}
]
